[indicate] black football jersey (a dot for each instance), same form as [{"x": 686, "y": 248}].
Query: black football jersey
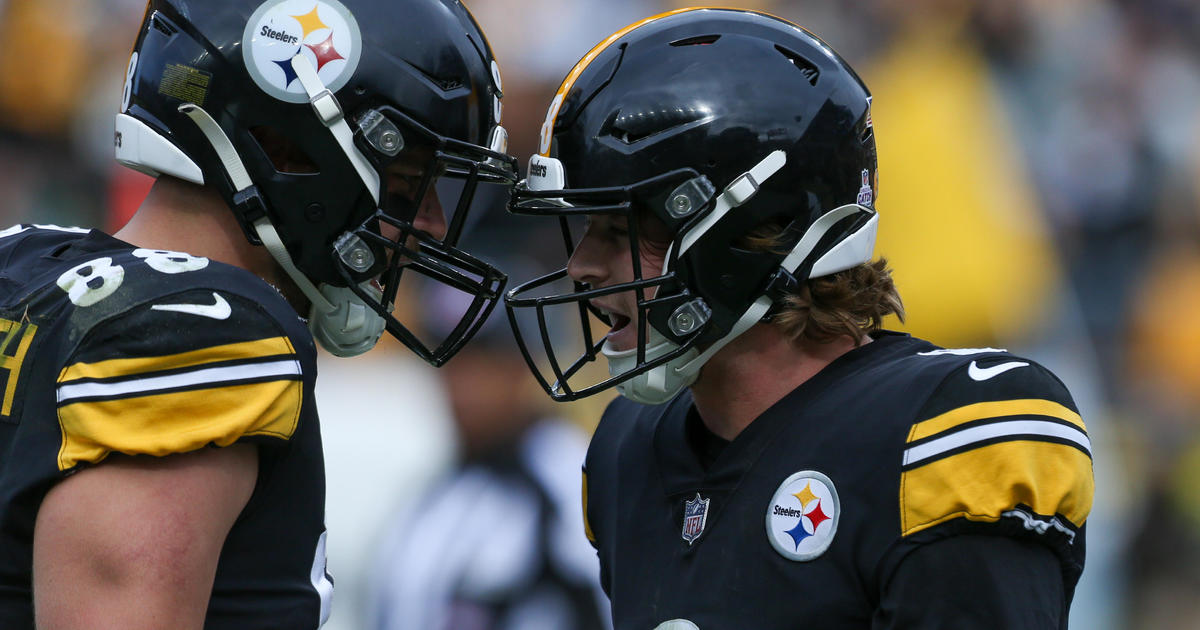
[
  {"x": 903, "y": 486},
  {"x": 106, "y": 348}
]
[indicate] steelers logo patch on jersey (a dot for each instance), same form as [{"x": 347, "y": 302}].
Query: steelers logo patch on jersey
[
  {"x": 802, "y": 517},
  {"x": 677, "y": 624},
  {"x": 322, "y": 32}
]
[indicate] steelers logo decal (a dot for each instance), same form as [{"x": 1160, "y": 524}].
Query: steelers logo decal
[
  {"x": 803, "y": 516},
  {"x": 324, "y": 32}
]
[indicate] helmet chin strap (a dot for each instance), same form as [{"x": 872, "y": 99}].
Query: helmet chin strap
[
  {"x": 662, "y": 383},
  {"x": 327, "y": 108},
  {"x": 338, "y": 319},
  {"x": 654, "y": 386},
  {"x": 351, "y": 327},
  {"x": 658, "y": 385}
]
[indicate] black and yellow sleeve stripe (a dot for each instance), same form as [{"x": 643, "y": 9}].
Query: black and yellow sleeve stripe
[
  {"x": 1027, "y": 458},
  {"x": 175, "y": 403}
]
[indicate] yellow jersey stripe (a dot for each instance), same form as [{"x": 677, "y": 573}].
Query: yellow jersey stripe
[
  {"x": 984, "y": 483},
  {"x": 996, "y": 409},
  {"x": 127, "y": 367},
  {"x": 178, "y": 422}
]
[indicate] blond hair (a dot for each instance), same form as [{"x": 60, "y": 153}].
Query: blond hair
[{"x": 849, "y": 303}]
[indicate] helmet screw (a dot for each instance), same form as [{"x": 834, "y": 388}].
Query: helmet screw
[
  {"x": 689, "y": 197},
  {"x": 358, "y": 259},
  {"x": 354, "y": 252},
  {"x": 682, "y": 205},
  {"x": 688, "y": 317},
  {"x": 381, "y": 133},
  {"x": 389, "y": 140},
  {"x": 683, "y": 323},
  {"x": 315, "y": 213}
]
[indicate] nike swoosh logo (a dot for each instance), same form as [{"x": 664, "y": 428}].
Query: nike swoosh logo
[
  {"x": 982, "y": 374},
  {"x": 219, "y": 309}
]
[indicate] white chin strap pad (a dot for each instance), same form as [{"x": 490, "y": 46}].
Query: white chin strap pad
[
  {"x": 655, "y": 386},
  {"x": 352, "y": 327},
  {"x": 338, "y": 319}
]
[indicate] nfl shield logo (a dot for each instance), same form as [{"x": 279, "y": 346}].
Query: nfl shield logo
[
  {"x": 695, "y": 513},
  {"x": 865, "y": 194}
]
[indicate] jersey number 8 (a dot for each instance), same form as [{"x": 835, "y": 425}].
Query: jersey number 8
[{"x": 92, "y": 281}]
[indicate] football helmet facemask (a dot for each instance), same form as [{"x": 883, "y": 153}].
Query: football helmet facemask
[
  {"x": 709, "y": 124},
  {"x": 376, "y": 126}
]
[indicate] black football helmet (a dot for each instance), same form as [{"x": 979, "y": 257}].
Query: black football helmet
[
  {"x": 714, "y": 122},
  {"x": 379, "y": 108}
]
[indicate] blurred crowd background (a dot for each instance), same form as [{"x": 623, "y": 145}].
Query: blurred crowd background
[{"x": 1039, "y": 169}]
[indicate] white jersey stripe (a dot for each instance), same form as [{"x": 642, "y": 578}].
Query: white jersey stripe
[
  {"x": 320, "y": 580},
  {"x": 972, "y": 435},
  {"x": 286, "y": 367}
]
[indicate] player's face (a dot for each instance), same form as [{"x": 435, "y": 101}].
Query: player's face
[
  {"x": 603, "y": 258},
  {"x": 403, "y": 186}
]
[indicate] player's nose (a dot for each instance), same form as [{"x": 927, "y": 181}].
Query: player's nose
[{"x": 431, "y": 217}]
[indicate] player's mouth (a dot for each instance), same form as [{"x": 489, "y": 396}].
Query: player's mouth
[
  {"x": 619, "y": 322},
  {"x": 621, "y": 335}
]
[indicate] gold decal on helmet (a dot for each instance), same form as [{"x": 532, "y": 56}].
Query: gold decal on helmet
[{"x": 185, "y": 83}]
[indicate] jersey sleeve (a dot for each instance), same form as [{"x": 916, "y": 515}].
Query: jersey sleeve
[
  {"x": 169, "y": 378},
  {"x": 999, "y": 448},
  {"x": 974, "y": 582}
]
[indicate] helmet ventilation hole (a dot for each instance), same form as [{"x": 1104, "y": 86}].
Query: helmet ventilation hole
[
  {"x": 163, "y": 26},
  {"x": 699, "y": 40},
  {"x": 629, "y": 126},
  {"x": 445, "y": 84},
  {"x": 805, "y": 66}
]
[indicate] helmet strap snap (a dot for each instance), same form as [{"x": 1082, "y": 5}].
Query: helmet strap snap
[{"x": 738, "y": 192}]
